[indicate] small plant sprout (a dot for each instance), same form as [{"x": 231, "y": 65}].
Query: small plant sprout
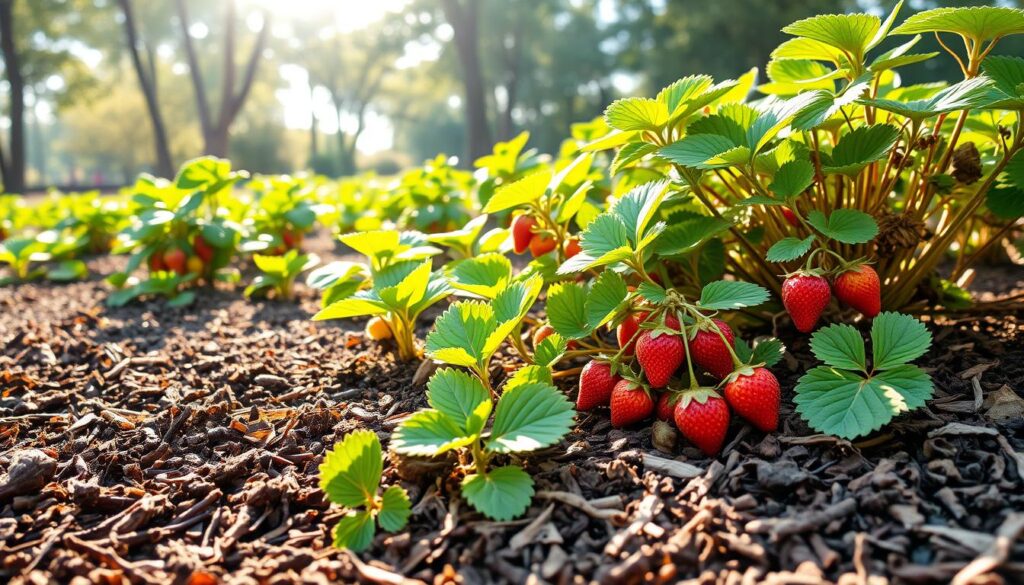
[
  {"x": 350, "y": 476},
  {"x": 279, "y": 273}
]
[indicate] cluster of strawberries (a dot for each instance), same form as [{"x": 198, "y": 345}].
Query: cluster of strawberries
[
  {"x": 175, "y": 259},
  {"x": 701, "y": 413},
  {"x": 527, "y": 235},
  {"x": 805, "y": 294}
]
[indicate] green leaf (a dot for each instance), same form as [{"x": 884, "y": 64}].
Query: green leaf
[
  {"x": 410, "y": 290},
  {"x": 849, "y": 226},
  {"x": 636, "y": 113},
  {"x": 839, "y": 346},
  {"x": 526, "y": 190},
  {"x": 686, "y": 235},
  {"x": 965, "y": 95},
  {"x": 350, "y": 473},
  {"x": 461, "y": 397},
  {"x": 395, "y": 509},
  {"x": 202, "y": 172},
  {"x": 606, "y": 294},
  {"x": 792, "y": 179},
  {"x": 550, "y": 350},
  {"x": 861, "y": 147},
  {"x": 652, "y": 292},
  {"x": 532, "y": 374},
  {"x": 768, "y": 352},
  {"x": 529, "y": 417},
  {"x": 698, "y": 151},
  {"x": 852, "y": 33},
  {"x": 501, "y": 494},
  {"x": 605, "y": 241},
  {"x": 373, "y": 243},
  {"x": 1005, "y": 202},
  {"x": 1008, "y": 75},
  {"x": 846, "y": 405},
  {"x": 460, "y": 334},
  {"x": 789, "y": 248},
  {"x": 354, "y": 531},
  {"x": 510, "y": 306},
  {"x": 980, "y": 23},
  {"x": 354, "y": 306},
  {"x": 484, "y": 275},
  {"x": 567, "y": 310},
  {"x": 637, "y": 207},
  {"x": 897, "y": 339},
  {"x": 683, "y": 90},
  {"x": 428, "y": 432},
  {"x": 731, "y": 294}
]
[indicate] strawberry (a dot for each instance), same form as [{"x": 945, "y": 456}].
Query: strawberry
[
  {"x": 156, "y": 262},
  {"x": 630, "y": 403},
  {"x": 860, "y": 288},
  {"x": 709, "y": 351},
  {"x": 667, "y": 405},
  {"x": 541, "y": 244},
  {"x": 627, "y": 330},
  {"x": 522, "y": 232},
  {"x": 542, "y": 333},
  {"x": 572, "y": 247},
  {"x": 805, "y": 296},
  {"x": 292, "y": 239},
  {"x": 175, "y": 260},
  {"x": 659, "y": 354},
  {"x": 596, "y": 385},
  {"x": 790, "y": 217},
  {"x": 755, "y": 396},
  {"x": 703, "y": 418},
  {"x": 203, "y": 249}
]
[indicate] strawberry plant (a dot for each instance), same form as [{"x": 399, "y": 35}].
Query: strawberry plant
[
  {"x": 350, "y": 476},
  {"x": 529, "y": 414},
  {"x": 283, "y": 209},
  {"x": 401, "y": 284},
  {"x": 279, "y": 273},
  {"x": 42, "y": 256},
  {"x": 849, "y": 397}
]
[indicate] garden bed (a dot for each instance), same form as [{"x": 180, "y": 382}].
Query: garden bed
[{"x": 187, "y": 443}]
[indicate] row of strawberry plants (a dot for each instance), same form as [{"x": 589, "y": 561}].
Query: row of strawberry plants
[{"x": 704, "y": 182}]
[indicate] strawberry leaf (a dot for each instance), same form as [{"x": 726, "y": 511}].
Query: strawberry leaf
[
  {"x": 731, "y": 294},
  {"x": 533, "y": 374},
  {"x": 428, "y": 432},
  {"x": 550, "y": 350},
  {"x": 354, "y": 531},
  {"x": 484, "y": 275},
  {"x": 567, "y": 310},
  {"x": 792, "y": 178},
  {"x": 789, "y": 248},
  {"x": 636, "y": 113},
  {"x": 526, "y": 190},
  {"x": 849, "y": 226},
  {"x": 350, "y": 473},
  {"x": 395, "y": 509},
  {"x": 460, "y": 397},
  {"x": 605, "y": 296},
  {"x": 859, "y": 148},
  {"x": 500, "y": 494},
  {"x": 652, "y": 292},
  {"x": 529, "y": 417},
  {"x": 979, "y": 23},
  {"x": 840, "y": 346},
  {"x": 897, "y": 339},
  {"x": 460, "y": 334}
]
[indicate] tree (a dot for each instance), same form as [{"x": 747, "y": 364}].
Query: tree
[
  {"x": 12, "y": 164},
  {"x": 146, "y": 74},
  {"x": 463, "y": 16},
  {"x": 216, "y": 129}
]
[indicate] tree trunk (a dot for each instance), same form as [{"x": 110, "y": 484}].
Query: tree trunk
[
  {"x": 464, "y": 22},
  {"x": 314, "y": 149},
  {"x": 147, "y": 81},
  {"x": 14, "y": 168}
]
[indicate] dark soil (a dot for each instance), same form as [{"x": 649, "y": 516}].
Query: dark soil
[{"x": 149, "y": 444}]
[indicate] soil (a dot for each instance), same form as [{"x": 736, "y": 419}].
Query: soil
[{"x": 156, "y": 445}]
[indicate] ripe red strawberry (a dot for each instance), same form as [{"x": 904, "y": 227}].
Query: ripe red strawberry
[
  {"x": 659, "y": 356},
  {"x": 175, "y": 260},
  {"x": 805, "y": 296},
  {"x": 156, "y": 262},
  {"x": 572, "y": 247},
  {"x": 667, "y": 405},
  {"x": 627, "y": 330},
  {"x": 522, "y": 232},
  {"x": 709, "y": 351},
  {"x": 703, "y": 418},
  {"x": 630, "y": 403},
  {"x": 596, "y": 385},
  {"x": 755, "y": 396},
  {"x": 541, "y": 244},
  {"x": 860, "y": 288},
  {"x": 790, "y": 217},
  {"x": 203, "y": 249}
]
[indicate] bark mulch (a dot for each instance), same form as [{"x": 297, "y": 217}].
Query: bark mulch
[{"x": 155, "y": 445}]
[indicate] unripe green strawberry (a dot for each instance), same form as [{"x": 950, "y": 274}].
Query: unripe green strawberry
[
  {"x": 805, "y": 296},
  {"x": 703, "y": 418},
  {"x": 755, "y": 396},
  {"x": 709, "y": 351},
  {"x": 659, "y": 355},
  {"x": 522, "y": 232},
  {"x": 596, "y": 385},
  {"x": 630, "y": 403},
  {"x": 860, "y": 288}
]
